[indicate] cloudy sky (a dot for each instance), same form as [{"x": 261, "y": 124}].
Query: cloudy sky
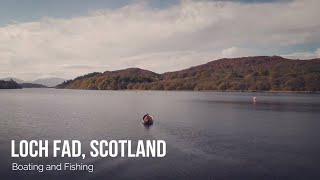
[{"x": 43, "y": 38}]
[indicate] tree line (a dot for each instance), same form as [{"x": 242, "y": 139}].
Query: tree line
[
  {"x": 260, "y": 73},
  {"x": 11, "y": 84}
]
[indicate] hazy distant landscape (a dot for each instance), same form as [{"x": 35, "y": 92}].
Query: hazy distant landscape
[
  {"x": 38, "y": 83},
  {"x": 259, "y": 73}
]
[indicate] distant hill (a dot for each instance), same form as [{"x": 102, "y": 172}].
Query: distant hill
[
  {"x": 47, "y": 82},
  {"x": 9, "y": 84},
  {"x": 32, "y": 85},
  {"x": 19, "y": 81},
  {"x": 259, "y": 73},
  {"x": 112, "y": 80}
]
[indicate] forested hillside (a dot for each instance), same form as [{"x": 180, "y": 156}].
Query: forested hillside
[
  {"x": 260, "y": 73},
  {"x": 9, "y": 84}
]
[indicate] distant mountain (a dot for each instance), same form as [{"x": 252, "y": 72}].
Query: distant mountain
[
  {"x": 19, "y": 81},
  {"x": 32, "y": 85},
  {"x": 49, "y": 82},
  {"x": 259, "y": 73},
  {"x": 9, "y": 84},
  {"x": 112, "y": 80}
]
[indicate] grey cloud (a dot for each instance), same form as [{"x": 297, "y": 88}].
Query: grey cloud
[{"x": 168, "y": 39}]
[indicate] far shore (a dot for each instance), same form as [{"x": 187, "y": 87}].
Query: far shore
[
  {"x": 251, "y": 91},
  {"x": 246, "y": 91}
]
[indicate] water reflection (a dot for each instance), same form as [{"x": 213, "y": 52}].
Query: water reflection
[
  {"x": 147, "y": 127},
  {"x": 267, "y": 105}
]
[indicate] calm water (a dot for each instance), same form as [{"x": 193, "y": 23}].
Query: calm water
[{"x": 209, "y": 135}]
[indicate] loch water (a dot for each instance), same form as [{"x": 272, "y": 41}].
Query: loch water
[{"x": 209, "y": 135}]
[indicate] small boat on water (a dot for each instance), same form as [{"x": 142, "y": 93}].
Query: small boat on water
[{"x": 147, "y": 120}]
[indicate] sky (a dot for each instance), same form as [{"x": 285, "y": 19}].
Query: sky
[{"x": 69, "y": 38}]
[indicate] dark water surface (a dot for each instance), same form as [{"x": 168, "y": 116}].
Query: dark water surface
[{"x": 209, "y": 135}]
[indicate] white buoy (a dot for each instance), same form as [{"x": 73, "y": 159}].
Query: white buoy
[{"x": 254, "y": 100}]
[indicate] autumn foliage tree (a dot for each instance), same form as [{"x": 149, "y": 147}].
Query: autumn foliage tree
[{"x": 260, "y": 73}]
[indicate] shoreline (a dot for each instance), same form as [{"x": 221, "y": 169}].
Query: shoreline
[
  {"x": 239, "y": 91},
  {"x": 247, "y": 91}
]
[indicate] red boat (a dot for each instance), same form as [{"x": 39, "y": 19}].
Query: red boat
[{"x": 147, "y": 119}]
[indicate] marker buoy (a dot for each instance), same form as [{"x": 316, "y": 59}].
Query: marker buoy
[{"x": 254, "y": 100}]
